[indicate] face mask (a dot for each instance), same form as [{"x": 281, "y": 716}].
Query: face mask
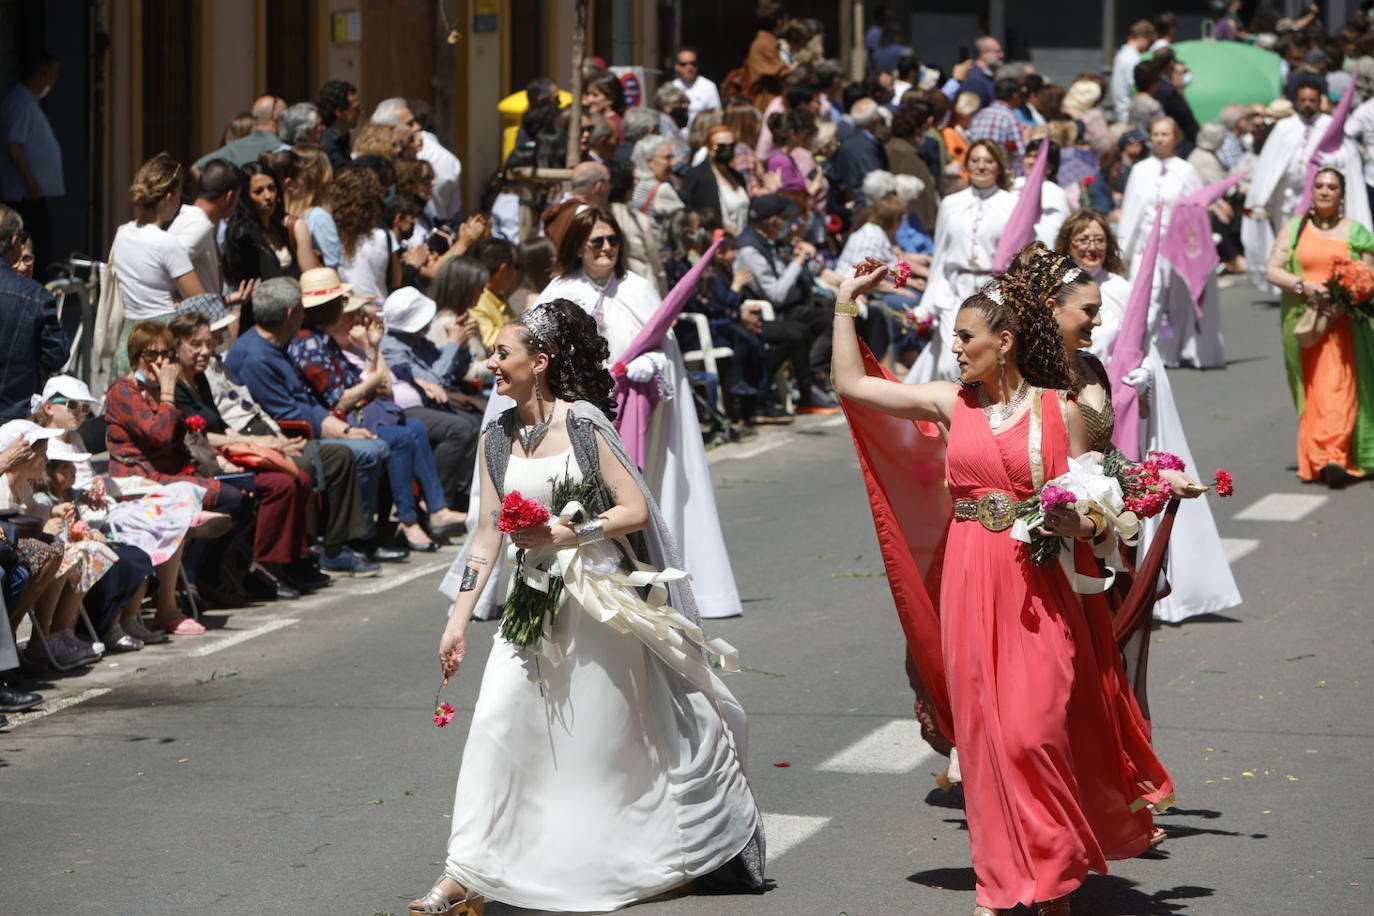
[
  {"x": 679, "y": 116},
  {"x": 138, "y": 374},
  {"x": 1187, "y": 79},
  {"x": 725, "y": 155},
  {"x": 44, "y": 93},
  {"x": 1248, "y": 141}
]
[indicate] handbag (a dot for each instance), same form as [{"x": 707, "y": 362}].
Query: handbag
[
  {"x": 1312, "y": 324},
  {"x": 260, "y": 458},
  {"x": 202, "y": 454}
]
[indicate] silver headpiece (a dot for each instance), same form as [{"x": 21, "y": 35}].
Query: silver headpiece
[
  {"x": 1072, "y": 274},
  {"x": 541, "y": 323},
  {"x": 994, "y": 292}
]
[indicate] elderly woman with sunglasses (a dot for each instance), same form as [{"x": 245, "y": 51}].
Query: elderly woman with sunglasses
[{"x": 591, "y": 272}]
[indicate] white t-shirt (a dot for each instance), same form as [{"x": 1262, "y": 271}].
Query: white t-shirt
[
  {"x": 366, "y": 269},
  {"x": 448, "y": 194},
  {"x": 701, "y": 96},
  {"x": 147, "y": 262},
  {"x": 193, "y": 229}
]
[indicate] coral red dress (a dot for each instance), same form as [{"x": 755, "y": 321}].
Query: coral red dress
[{"x": 1056, "y": 758}]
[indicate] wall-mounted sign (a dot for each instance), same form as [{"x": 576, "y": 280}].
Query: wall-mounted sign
[
  {"x": 486, "y": 16},
  {"x": 347, "y": 26}
]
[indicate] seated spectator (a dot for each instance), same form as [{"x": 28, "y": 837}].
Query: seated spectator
[
  {"x": 257, "y": 244},
  {"x": 258, "y": 360},
  {"x": 67, "y": 567},
  {"x": 299, "y": 124},
  {"x": 779, "y": 274},
  {"x": 20, "y": 254},
  {"x": 427, "y": 384},
  {"x": 715, "y": 185},
  {"x": 590, "y": 187},
  {"x": 34, "y": 345},
  {"x": 304, "y": 175},
  {"x": 457, "y": 289},
  {"x": 283, "y": 478},
  {"x": 605, "y": 97},
  {"x": 860, "y": 153},
  {"x": 156, "y": 521},
  {"x": 147, "y": 437},
  {"x": 445, "y": 200},
  {"x": 877, "y": 238},
  {"x": 331, "y": 466},
  {"x": 912, "y": 237},
  {"x": 536, "y": 258},
  {"x": 654, "y": 194},
  {"x": 745, "y": 121},
  {"x": 152, "y": 268},
  {"x": 638, "y": 237},
  {"x": 339, "y": 358},
  {"x": 493, "y": 310},
  {"x": 369, "y": 262},
  {"x": 904, "y": 158},
  {"x": 377, "y": 140},
  {"x": 998, "y": 123},
  {"x": 197, "y": 226}
]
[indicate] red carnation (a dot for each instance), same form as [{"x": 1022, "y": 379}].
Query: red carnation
[
  {"x": 1011, "y": 146},
  {"x": 618, "y": 370},
  {"x": 189, "y": 469},
  {"x": 443, "y": 714},
  {"x": 518, "y": 513},
  {"x": 1167, "y": 461},
  {"x": 195, "y": 423},
  {"x": 1223, "y": 484},
  {"x": 1089, "y": 181}
]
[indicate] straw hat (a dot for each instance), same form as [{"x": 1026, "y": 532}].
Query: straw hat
[{"x": 321, "y": 285}]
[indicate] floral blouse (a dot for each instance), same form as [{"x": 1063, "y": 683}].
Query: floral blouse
[{"x": 322, "y": 365}]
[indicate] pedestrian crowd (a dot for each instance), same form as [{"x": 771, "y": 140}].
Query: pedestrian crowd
[{"x": 302, "y": 329}]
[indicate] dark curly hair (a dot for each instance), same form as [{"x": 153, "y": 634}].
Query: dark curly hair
[
  {"x": 577, "y": 352},
  {"x": 1035, "y": 277}
]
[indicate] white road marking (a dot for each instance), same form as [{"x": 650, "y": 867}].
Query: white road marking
[
  {"x": 52, "y": 706},
  {"x": 748, "y": 451},
  {"x": 386, "y": 582},
  {"x": 242, "y": 636},
  {"x": 896, "y": 747},
  {"x": 784, "y": 831},
  {"x": 1281, "y": 507},
  {"x": 1238, "y": 547},
  {"x": 838, "y": 419}
]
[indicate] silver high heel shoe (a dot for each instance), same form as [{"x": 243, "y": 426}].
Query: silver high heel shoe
[
  {"x": 985, "y": 911},
  {"x": 437, "y": 903}
]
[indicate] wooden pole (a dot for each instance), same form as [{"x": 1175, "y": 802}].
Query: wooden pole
[{"x": 579, "y": 44}]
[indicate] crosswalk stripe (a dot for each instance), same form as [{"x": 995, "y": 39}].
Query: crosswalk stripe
[
  {"x": 896, "y": 747},
  {"x": 1281, "y": 507},
  {"x": 1238, "y": 547},
  {"x": 784, "y": 831}
]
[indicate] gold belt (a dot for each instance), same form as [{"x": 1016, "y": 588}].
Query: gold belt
[{"x": 994, "y": 511}]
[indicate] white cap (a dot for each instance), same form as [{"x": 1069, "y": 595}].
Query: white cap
[
  {"x": 62, "y": 450},
  {"x": 29, "y": 431},
  {"x": 69, "y": 387},
  {"x": 408, "y": 310}
]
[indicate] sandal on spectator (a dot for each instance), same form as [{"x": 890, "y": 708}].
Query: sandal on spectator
[
  {"x": 181, "y": 626},
  {"x": 209, "y": 525}
]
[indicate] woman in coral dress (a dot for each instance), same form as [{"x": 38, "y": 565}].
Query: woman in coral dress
[
  {"x": 1057, "y": 767},
  {"x": 1332, "y": 380}
]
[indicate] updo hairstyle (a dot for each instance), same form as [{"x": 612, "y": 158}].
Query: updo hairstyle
[
  {"x": 155, "y": 179},
  {"x": 576, "y": 350}
]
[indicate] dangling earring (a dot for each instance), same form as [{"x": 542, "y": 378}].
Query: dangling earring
[
  {"x": 1001, "y": 358},
  {"x": 538, "y": 394}
]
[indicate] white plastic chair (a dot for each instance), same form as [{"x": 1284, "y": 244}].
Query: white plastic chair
[
  {"x": 780, "y": 383},
  {"x": 707, "y": 352}
]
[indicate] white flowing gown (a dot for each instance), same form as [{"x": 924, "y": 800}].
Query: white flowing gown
[
  {"x": 622, "y": 780},
  {"x": 1181, "y": 334},
  {"x": 966, "y": 233},
  {"x": 1198, "y": 570},
  {"x": 675, "y": 463}
]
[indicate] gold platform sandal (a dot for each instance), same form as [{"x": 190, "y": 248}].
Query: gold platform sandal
[
  {"x": 437, "y": 903},
  {"x": 981, "y": 910}
]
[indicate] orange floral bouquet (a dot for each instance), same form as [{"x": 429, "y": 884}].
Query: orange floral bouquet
[{"x": 1351, "y": 285}]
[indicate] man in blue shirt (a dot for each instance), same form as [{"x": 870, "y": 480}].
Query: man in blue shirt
[
  {"x": 258, "y": 359},
  {"x": 30, "y": 156},
  {"x": 32, "y": 345},
  {"x": 981, "y": 75}
]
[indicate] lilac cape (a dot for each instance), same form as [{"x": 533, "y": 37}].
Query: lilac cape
[
  {"x": 1188, "y": 243},
  {"x": 1020, "y": 228},
  {"x": 1128, "y": 351}
]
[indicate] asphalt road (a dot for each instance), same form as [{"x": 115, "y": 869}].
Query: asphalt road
[{"x": 297, "y": 771}]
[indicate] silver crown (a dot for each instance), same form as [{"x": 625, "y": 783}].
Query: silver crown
[{"x": 993, "y": 291}]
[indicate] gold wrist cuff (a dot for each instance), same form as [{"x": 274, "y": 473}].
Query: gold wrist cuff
[
  {"x": 847, "y": 308},
  {"x": 1099, "y": 525}
]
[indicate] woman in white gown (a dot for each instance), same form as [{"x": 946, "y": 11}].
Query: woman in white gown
[
  {"x": 611, "y": 769},
  {"x": 1198, "y": 571},
  {"x": 1155, "y": 185},
  {"x": 591, "y": 272},
  {"x": 966, "y": 233}
]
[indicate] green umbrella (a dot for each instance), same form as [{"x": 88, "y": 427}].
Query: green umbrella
[{"x": 1228, "y": 73}]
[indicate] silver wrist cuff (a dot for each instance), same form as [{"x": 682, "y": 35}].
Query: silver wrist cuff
[{"x": 590, "y": 532}]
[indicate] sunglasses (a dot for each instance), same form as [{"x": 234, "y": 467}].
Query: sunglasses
[
  {"x": 158, "y": 354},
  {"x": 71, "y": 405},
  {"x": 603, "y": 241}
]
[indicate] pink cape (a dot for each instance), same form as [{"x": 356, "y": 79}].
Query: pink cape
[
  {"x": 1020, "y": 228},
  {"x": 1128, "y": 350},
  {"x": 1188, "y": 244},
  {"x": 1329, "y": 143},
  {"x": 635, "y": 401}
]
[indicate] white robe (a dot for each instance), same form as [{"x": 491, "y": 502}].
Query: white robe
[
  {"x": 1276, "y": 187},
  {"x": 676, "y": 469},
  {"x": 1198, "y": 571},
  {"x": 1175, "y": 326},
  {"x": 1055, "y": 208},
  {"x": 966, "y": 234}
]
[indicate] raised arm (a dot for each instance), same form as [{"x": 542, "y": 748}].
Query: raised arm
[{"x": 932, "y": 401}]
